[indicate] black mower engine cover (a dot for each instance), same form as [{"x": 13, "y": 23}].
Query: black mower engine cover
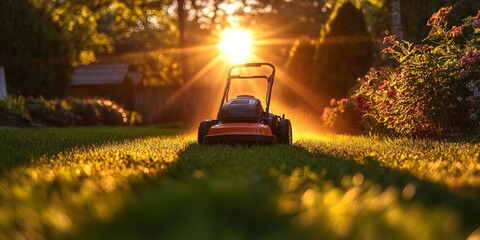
[{"x": 243, "y": 108}]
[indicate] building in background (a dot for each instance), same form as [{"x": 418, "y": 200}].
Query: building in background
[
  {"x": 112, "y": 81},
  {"x": 119, "y": 83}
]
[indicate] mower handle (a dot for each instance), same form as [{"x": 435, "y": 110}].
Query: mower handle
[
  {"x": 270, "y": 80},
  {"x": 259, "y": 64},
  {"x": 247, "y": 77},
  {"x": 248, "y": 65}
]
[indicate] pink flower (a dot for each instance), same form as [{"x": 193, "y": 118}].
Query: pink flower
[
  {"x": 456, "y": 31},
  {"x": 391, "y": 92},
  {"x": 382, "y": 87},
  {"x": 439, "y": 17},
  {"x": 333, "y": 102},
  {"x": 390, "y": 39},
  {"x": 388, "y": 50}
]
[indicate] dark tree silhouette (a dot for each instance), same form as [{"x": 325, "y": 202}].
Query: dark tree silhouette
[
  {"x": 35, "y": 54},
  {"x": 344, "y": 53}
]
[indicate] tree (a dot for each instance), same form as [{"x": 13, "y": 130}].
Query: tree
[
  {"x": 182, "y": 40},
  {"x": 106, "y": 31},
  {"x": 395, "y": 18},
  {"x": 144, "y": 35},
  {"x": 35, "y": 53},
  {"x": 77, "y": 22},
  {"x": 300, "y": 60},
  {"x": 344, "y": 52}
]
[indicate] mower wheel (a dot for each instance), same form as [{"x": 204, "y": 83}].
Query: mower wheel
[
  {"x": 203, "y": 130},
  {"x": 284, "y": 132}
]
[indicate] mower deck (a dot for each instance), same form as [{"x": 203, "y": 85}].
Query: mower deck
[
  {"x": 240, "y": 133},
  {"x": 242, "y": 119}
]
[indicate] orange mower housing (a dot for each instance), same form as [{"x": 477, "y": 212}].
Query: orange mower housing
[{"x": 242, "y": 120}]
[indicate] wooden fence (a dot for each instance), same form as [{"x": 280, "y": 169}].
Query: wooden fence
[{"x": 160, "y": 104}]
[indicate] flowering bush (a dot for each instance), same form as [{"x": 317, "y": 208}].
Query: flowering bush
[
  {"x": 435, "y": 88},
  {"x": 66, "y": 112},
  {"x": 14, "y": 104},
  {"x": 110, "y": 112},
  {"x": 56, "y": 112},
  {"x": 340, "y": 116},
  {"x": 87, "y": 110}
]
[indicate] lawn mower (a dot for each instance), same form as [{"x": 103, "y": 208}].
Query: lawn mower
[{"x": 242, "y": 120}]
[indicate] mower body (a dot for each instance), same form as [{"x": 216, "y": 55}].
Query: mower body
[{"x": 243, "y": 120}]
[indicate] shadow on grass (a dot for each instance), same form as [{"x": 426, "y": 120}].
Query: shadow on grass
[
  {"x": 225, "y": 192},
  {"x": 19, "y": 147}
]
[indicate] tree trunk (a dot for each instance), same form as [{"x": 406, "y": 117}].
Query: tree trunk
[
  {"x": 395, "y": 18},
  {"x": 186, "y": 96},
  {"x": 182, "y": 40}
]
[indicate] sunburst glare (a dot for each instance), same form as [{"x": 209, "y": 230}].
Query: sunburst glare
[{"x": 236, "y": 45}]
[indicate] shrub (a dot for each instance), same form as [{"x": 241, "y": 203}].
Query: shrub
[
  {"x": 428, "y": 93},
  {"x": 61, "y": 112},
  {"x": 341, "y": 116},
  {"x": 14, "y": 104},
  {"x": 111, "y": 113},
  {"x": 85, "y": 108},
  {"x": 55, "y": 112}
]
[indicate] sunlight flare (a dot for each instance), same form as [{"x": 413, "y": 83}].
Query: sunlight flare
[{"x": 236, "y": 45}]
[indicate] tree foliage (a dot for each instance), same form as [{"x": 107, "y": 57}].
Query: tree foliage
[
  {"x": 34, "y": 52},
  {"x": 344, "y": 53},
  {"x": 415, "y": 15},
  {"x": 144, "y": 35},
  {"x": 299, "y": 63},
  {"x": 43, "y": 40}
]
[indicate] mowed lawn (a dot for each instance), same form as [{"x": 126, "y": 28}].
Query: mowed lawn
[{"x": 157, "y": 183}]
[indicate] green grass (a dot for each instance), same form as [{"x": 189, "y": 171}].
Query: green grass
[
  {"x": 20, "y": 146},
  {"x": 165, "y": 186}
]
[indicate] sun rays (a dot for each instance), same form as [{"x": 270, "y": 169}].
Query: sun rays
[
  {"x": 236, "y": 45},
  {"x": 209, "y": 80}
]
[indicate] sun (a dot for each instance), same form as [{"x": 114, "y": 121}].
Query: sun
[{"x": 236, "y": 45}]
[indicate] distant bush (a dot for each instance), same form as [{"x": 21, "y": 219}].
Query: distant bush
[
  {"x": 340, "y": 116},
  {"x": 110, "y": 112},
  {"x": 71, "y": 111},
  {"x": 14, "y": 104},
  {"x": 55, "y": 112},
  {"x": 344, "y": 53},
  {"x": 86, "y": 108},
  {"x": 435, "y": 89}
]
